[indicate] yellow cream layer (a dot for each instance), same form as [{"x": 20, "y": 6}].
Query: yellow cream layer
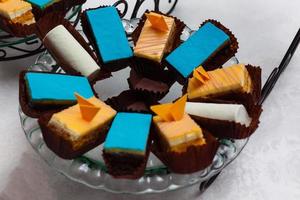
[
  {"x": 26, "y": 18},
  {"x": 221, "y": 81},
  {"x": 11, "y": 9},
  {"x": 72, "y": 122},
  {"x": 179, "y": 132},
  {"x": 152, "y": 43}
]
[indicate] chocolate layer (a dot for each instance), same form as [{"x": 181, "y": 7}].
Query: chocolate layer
[
  {"x": 229, "y": 129},
  {"x": 130, "y": 101},
  {"x": 35, "y": 111},
  {"x": 16, "y": 29},
  {"x": 194, "y": 159},
  {"x": 125, "y": 165},
  {"x": 110, "y": 66},
  {"x": 50, "y": 21},
  {"x": 58, "y": 141}
]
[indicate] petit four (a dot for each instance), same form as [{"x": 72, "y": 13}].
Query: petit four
[
  {"x": 225, "y": 120},
  {"x": 204, "y": 43},
  {"x": 156, "y": 37},
  {"x": 46, "y": 89},
  {"x": 126, "y": 146},
  {"x": 108, "y": 34},
  {"x": 177, "y": 135},
  {"x": 17, "y": 11},
  {"x": 67, "y": 50},
  {"x": 77, "y": 129},
  {"x": 42, "y": 4}
]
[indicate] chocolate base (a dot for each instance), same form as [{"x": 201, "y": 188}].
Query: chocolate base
[
  {"x": 249, "y": 100},
  {"x": 173, "y": 43},
  {"x": 154, "y": 87},
  {"x": 194, "y": 159},
  {"x": 53, "y": 19},
  {"x": 130, "y": 101},
  {"x": 16, "y": 29},
  {"x": 32, "y": 110},
  {"x": 59, "y": 143},
  {"x": 126, "y": 165},
  {"x": 229, "y": 129},
  {"x": 109, "y": 66}
]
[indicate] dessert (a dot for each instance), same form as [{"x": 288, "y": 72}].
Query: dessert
[
  {"x": 177, "y": 134},
  {"x": 126, "y": 146},
  {"x": 104, "y": 26},
  {"x": 239, "y": 83},
  {"x": 77, "y": 129},
  {"x": 42, "y": 4},
  {"x": 17, "y": 11},
  {"x": 201, "y": 47},
  {"x": 156, "y": 37},
  {"x": 68, "y": 51},
  {"x": 225, "y": 120}
]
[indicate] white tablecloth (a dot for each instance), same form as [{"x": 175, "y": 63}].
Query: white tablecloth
[{"x": 269, "y": 166}]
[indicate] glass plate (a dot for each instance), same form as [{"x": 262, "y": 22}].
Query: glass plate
[{"x": 90, "y": 169}]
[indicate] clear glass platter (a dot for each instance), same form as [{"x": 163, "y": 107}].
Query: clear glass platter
[{"x": 90, "y": 170}]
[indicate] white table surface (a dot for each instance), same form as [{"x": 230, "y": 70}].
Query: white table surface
[{"x": 269, "y": 166}]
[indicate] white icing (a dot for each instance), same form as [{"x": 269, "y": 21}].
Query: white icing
[
  {"x": 65, "y": 46},
  {"x": 230, "y": 112}
]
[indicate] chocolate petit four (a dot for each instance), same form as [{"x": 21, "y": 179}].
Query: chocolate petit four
[
  {"x": 126, "y": 147},
  {"x": 42, "y": 4},
  {"x": 238, "y": 83},
  {"x": 179, "y": 138},
  {"x": 77, "y": 129},
  {"x": 105, "y": 29},
  {"x": 42, "y": 92},
  {"x": 225, "y": 120},
  {"x": 17, "y": 11},
  {"x": 206, "y": 42}
]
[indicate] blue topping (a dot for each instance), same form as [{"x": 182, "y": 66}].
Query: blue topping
[
  {"x": 43, "y": 87},
  {"x": 109, "y": 34},
  {"x": 197, "y": 49},
  {"x": 41, "y": 3},
  {"x": 129, "y": 133}
]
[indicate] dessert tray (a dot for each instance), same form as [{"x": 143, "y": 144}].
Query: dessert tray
[
  {"x": 90, "y": 169},
  {"x": 12, "y": 48}
]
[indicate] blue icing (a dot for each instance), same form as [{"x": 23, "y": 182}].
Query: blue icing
[
  {"x": 109, "y": 34},
  {"x": 40, "y": 3},
  {"x": 197, "y": 49},
  {"x": 56, "y": 87},
  {"x": 129, "y": 131}
]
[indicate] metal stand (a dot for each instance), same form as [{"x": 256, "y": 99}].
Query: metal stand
[{"x": 13, "y": 48}]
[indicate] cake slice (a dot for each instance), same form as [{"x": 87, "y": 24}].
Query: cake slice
[
  {"x": 223, "y": 81},
  {"x": 155, "y": 38},
  {"x": 203, "y": 44},
  {"x": 47, "y": 89},
  {"x": 17, "y": 11},
  {"x": 126, "y": 147},
  {"x": 77, "y": 129}
]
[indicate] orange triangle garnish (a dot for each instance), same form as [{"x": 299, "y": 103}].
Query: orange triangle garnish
[
  {"x": 87, "y": 109},
  {"x": 197, "y": 76},
  {"x": 202, "y": 72},
  {"x": 178, "y": 107},
  {"x": 163, "y": 111},
  {"x": 157, "y": 21}
]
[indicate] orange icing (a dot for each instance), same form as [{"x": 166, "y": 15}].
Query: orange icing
[
  {"x": 152, "y": 43},
  {"x": 222, "y": 81}
]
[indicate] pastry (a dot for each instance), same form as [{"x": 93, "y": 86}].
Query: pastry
[
  {"x": 105, "y": 28},
  {"x": 177, "y": 135},
  {"x": 17, "y": 11},
  {"x": 202, "y": 46},
  {"x": 126, "y": 146},
  {"x": 67, "y": 50},
  {"x": 77, "y": 129},
  {"x": 225, "y": 120}
]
